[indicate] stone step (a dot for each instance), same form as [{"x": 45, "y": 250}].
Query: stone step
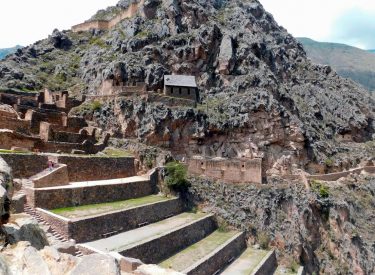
[
  {"x": 91, "y": 192},
  {"x": 93, "y": 222},
  {"x": 158, "y": 241},
  {"x": 253, "y": 261},
  {"x": 209, "y": 255}
]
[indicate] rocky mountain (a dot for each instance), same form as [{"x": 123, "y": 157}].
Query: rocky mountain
[
  {"x": 8, "y": 51},
  {"x": 350, "y": 62},
  {"x": 259, "y": 92}
]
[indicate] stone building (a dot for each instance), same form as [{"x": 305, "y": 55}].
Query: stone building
[
  {"x": 183, "y": 86},
  {"x": 239, "y": 170}
]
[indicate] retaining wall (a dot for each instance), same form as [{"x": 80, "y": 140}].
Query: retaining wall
[
  {"x": 218, "y": 258},
  {"x": 94, "y": 227},
  {"x": 338, "y": 175},
  {"x": 267, "y": 266},
  {"x": 156, "y": 250},
  {"x": 97, "y": 168},
  {"x": 9, "y": 139},
  {"x": 14, "y": 124},
  {"x": 104, "y": 24},
  {"x": 69, "y": 196},
  {"x": 56, "y": 177},
  {"x": 25, "y": 165}
]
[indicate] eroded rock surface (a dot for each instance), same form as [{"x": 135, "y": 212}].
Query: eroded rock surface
[
  {"x": 257, "y": 85},
  {"x": 329, "y": 233}
]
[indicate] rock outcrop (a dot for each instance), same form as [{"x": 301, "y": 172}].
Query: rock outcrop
[
  {"x": 329, "y": 230},
  {"x": 5, "y": 191}
]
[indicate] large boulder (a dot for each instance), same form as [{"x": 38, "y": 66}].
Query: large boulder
[
  {"x": 23, "y": 227},
  {"x": 5, "y": 191},
  {"x": 22, "y": 258},
  {"x": 97, "y": 264}
]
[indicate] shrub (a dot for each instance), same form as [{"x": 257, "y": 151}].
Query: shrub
[
  {"x": 96, "y": 106},
  {"x": 176, "y": 176},
  {"x": 320, "y": 189},
  {"x": 329, "y": 162},
  {"x": 294, "y": 266},
  {"x": 223, "y": 225},
  {"x": 264, "y": 240}
]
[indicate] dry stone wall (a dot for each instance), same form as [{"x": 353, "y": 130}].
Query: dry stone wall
[
  {"x": 94, "y": 227},
  {"x": 25, "y": 165},
  {"x": 69, "y": 196},
  {"x": 97, "y": 168},
  {"x": 228, "y": 170}
]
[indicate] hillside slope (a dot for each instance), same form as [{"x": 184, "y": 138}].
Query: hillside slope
[
  {"x": 247, "y": 68},
  {"x": 350, "y": 62},
  {"x": 7, "y": 51},
  {"x": 260, "y": 95}
]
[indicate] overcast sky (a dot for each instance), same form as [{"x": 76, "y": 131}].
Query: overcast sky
[{"x": 346, "y": 21}]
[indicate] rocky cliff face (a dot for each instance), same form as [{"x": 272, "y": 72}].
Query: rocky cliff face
[
  {"x": 259, "y": 91},
  {"x": 328, "y": 232}
]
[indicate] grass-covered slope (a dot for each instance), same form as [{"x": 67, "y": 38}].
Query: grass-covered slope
[{"x": 350, "y": 62}]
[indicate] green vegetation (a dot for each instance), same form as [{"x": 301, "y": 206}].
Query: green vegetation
[
  {"x": 94, "y": 209},
  {"x": 197, "y": 251},
  {"x": 319, "y": 188},
  {"x": 87, "y": 108},
  {"x": 114, "y": 152},
  {"x": 213, "y": 108},
  {"x": 143, "y": 34},
  {"x": 294, "y": 266},
  {"x": 223, "y": 226},
  {"x": 176, "y": 176},
  {"x": 264, "y": 240},
  {"x": 329, "y": 162},
  {"x": 97, "y": 41},
  {"x": 4, "y": 151}
]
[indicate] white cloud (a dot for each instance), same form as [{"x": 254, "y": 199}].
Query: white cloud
[
  {"x": 26, "y": 21},
  {"x": 315, "y": 19}
]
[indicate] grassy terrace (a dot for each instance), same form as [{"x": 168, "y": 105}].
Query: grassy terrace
[
  {"x": 246, "y": 263},
  {"x": 95, "y": 209},
  {"x": 197, "y": 251}
]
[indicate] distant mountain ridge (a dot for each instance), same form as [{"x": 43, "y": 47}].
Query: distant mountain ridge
[
  {"x": 7, "y": 51},
  {"x": 348, "y": 61}
]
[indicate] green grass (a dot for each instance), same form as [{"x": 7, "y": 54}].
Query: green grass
[
  {"x": 113, "y": 152},
  {"x": 4, "y": 151},
  {"x": 197, "y": 251},
  {"x": 94, "y": 209}
]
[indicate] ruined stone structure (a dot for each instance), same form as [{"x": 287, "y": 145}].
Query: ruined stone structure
[
  {"x": 131, "y": 11},
  {"x": 39, "y": 122},
  {"x": 182, "y": 86},
  {"x": 118, "y": 88},
  {"x": 227, "y": 170}
]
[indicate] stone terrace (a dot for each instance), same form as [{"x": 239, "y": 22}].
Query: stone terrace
[{"x": 106, "y": 208}]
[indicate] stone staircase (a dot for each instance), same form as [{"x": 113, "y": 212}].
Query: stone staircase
[
  {"x": 56, "y": 236},
  {"x": 127, "y": 217}
]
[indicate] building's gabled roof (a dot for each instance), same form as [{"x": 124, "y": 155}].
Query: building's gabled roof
[{"x": 180, "y": 80}]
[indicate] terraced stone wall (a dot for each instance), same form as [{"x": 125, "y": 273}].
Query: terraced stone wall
[
  {"x": 25, "y": 165},
  {"x": 98, "y": 168},
  {"x": 336, "y": 176},
  {"x": 52, "y": 198},
  {"x": 95, "y": 227}
]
